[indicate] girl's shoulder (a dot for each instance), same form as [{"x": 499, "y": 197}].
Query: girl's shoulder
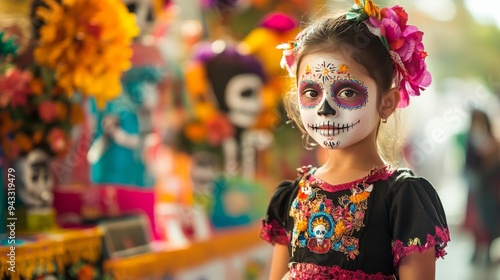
[{"x": 404, "y": 176}]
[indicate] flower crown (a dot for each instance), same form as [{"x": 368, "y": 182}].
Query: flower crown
[{"x": 403, "y": 41}]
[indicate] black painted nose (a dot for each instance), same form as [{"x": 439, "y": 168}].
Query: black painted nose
[{"x": 326, "y": 109}]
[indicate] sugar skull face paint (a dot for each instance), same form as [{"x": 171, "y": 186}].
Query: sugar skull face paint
[{"x": 337, "y": 100}]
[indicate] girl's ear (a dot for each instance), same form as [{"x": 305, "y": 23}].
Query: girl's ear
[{"x": 389, "y": 103}]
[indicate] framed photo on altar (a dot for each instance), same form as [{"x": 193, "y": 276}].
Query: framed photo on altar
[{"x": 126, "y": 236}]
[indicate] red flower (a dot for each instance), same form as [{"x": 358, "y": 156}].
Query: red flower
[
  {"x": 219, "y": 129},
  {"x": 47, "y": 111},
  {"x": 14, "y": 88}
]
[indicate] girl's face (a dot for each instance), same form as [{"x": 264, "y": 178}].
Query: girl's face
[{"x": 337, "y": 100}]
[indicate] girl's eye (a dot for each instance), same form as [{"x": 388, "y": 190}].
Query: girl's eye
[
  {"x": 349, "y": 93},
  {"x": 346, "y": 93},
  {"x": 311, "y": 93}
]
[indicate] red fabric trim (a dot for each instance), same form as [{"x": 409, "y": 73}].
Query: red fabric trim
[
  {"x": 273, "y": 233},
  {"x": 439, "y": 241},
  {"x": 310, "y": 271}
]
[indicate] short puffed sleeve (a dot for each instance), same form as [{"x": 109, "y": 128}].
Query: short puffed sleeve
[
  {"x": 417, "y": 218},
  {"x": 275, "y": 224}
]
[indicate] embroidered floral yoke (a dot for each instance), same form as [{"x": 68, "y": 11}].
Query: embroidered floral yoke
[{"x": 360, "y": 229}]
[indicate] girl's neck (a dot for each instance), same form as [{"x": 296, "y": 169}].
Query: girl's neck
[{"x": 351, "y": 163}]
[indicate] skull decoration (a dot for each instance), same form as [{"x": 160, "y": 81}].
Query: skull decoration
[
  {"x": 243, "y": 99},
  {"x": 320, "y": 231},
  {"x": 236, "y": 81},
  {"x": 36, "y": 180}
]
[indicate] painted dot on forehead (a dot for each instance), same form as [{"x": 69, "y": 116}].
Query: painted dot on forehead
[
  {"x": 308, "y": 69},
  {"x": 357, "y": 88},
  {"x": 343, "y": 69}
]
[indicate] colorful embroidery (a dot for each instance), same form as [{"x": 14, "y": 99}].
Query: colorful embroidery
[
  {"x": 273, "y": 233},
  {"x": 310, "y": 271},
  {"x": 321, "y": 226},
  {"x": 438, "y": 241}
]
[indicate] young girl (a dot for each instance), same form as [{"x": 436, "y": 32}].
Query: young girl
[{"x": 355, "y": 217}]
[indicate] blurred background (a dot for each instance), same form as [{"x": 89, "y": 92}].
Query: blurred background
[{"x": 142, "y": 139}]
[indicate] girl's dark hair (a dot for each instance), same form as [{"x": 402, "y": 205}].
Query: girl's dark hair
[{"x": 355, "y": 41}]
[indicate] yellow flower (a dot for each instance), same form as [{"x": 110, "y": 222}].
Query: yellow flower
[
  {"x": 371, "y": 9},
  {"x": 302, "y": 225},
  {"x": 343, "y": 69},
  {"x": 87, "y": 44},
  {"x": 415, "y": 241},
  {"x": 340, "y": 228}
]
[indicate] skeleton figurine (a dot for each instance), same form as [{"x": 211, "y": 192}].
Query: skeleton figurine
[{"x": 236, "y": 81}]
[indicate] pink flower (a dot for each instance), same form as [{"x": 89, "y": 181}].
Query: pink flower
[
  {"x": 407, "y": 51},
  {"x": 47, "y": 111},
  {"x": 14, "y": 88}
]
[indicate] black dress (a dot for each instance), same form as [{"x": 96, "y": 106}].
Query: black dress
[{"x": 357, "y": 230}]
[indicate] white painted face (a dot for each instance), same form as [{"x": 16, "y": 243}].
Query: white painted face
[{"x": 337, "y": 100}]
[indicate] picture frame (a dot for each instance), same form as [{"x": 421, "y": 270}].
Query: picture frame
[{"x": 126, "y": 236}]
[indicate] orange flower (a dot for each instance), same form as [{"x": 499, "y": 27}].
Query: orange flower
[
  {"x": 76, "y": 115},
  {"x": 340, "y": 228},
  {"x": 87, "y": 44},
  {"x": 36, "y": 86},
  {"x": 23, "y": 141},
  {"x": 343, "y": 69},
  {"x": 37, "y": 137},
  {"x": 196, "y": 132},
  {"x": 356, "y": 198},
  {"x": 61, "y": 111}
]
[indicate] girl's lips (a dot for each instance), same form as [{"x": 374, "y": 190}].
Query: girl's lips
[{"x": 328, "y": 128}]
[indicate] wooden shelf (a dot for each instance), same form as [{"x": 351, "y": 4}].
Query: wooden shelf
[{"x": 169, "y": 261}]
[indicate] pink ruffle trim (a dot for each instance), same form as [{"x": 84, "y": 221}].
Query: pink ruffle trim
[
  {"x": 374, "y": 175},
  {"x": 273, "y": 233},
  {"x": 310, "y": 271},
  {"x": 439, "y": 241}
]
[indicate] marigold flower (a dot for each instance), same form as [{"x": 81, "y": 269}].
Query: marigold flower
[{"x": 87, "y": 44}]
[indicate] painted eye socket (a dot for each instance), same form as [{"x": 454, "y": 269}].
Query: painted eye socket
[
  {"x": 310, "y": 93},
  {"x": 349, "y": 93}
]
